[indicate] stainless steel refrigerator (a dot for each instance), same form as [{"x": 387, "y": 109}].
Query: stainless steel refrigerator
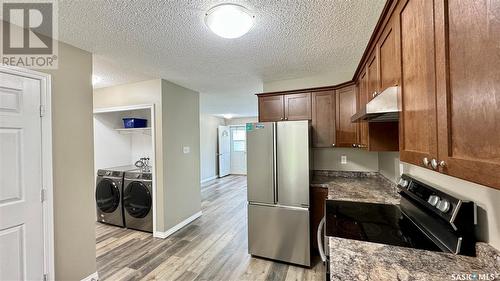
[{"x": 278, "y": 161}]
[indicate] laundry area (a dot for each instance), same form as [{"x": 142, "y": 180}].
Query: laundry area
[{"x": 124, "y": 161}]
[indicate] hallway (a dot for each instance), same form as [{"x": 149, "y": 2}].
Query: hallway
[{"x": 213, "y": 247}]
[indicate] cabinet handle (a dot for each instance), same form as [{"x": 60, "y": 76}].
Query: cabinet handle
[
  {"x": 333, "y": 144},
  {"x": 354, "y": 145},
  {"x": 286, "y": 118},
  {"x": 434, "y": 164},
  {"x": 426, "y": 162},
  {"x": 374, "y": 94},
  {"x": 281, "y": 118}
]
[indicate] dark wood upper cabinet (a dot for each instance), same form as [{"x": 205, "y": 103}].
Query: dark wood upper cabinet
[
  {"x": 346, "y": 134},
  {"x": 468, "y": 89},
  {"x": 418, "y": 117},
  {"x": 362, "y": 100},
  {"x": 323, "y": 118},
  {"x": 389, "y": 60},
  {"x": 372, "y": 72},
  {"x": 297, "y": 106},
  {"x": 271, "y": 108}
]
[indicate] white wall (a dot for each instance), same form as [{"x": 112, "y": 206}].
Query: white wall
[
  {"x": 209, "y": 146},
  {"x": 113, "y": 148}
]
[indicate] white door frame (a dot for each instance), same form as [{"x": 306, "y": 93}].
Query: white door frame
[
  {"x": 47, "y": 181},
  {"x": 151, "y": 107}
]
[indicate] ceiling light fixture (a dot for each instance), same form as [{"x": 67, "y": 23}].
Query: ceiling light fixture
[
  {"x": 229, "y": 20},
  {"x": 227, "y": 116}
]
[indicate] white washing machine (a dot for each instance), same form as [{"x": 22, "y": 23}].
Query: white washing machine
[{"x": 138, "y": 200}]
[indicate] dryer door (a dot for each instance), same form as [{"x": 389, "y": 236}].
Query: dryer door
[
  {"x": 137, "y": 199},
  {"x": 107, "y": 196}
]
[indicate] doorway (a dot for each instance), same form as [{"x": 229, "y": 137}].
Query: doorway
[
  {"x": 26, "y": 206},
  {"x": 238, "y": 150}
]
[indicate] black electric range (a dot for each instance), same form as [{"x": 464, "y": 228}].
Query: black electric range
[{"x": 426, "y": 219}]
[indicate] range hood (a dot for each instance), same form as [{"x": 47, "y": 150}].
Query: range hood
[{"x": 382, "y": 108}]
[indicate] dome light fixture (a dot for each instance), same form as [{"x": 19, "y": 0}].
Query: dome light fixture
[{"x": 229, "y": 20}]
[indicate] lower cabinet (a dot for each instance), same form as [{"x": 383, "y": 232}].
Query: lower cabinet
[{"x": 317, "y": 198}]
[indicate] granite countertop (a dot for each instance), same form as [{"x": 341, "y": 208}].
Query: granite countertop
[
  {"x": 357, "y": 186},
  {"x": 359, "y": 260}
]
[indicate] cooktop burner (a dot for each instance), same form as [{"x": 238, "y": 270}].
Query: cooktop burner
[
  {"x": 426, "y": 218},
  {"x": 371, "y": 222}
]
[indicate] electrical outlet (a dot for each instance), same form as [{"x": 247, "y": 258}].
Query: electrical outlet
[
  {"x": 186, "y": 149},
  {"x": 343, "y": 159}
]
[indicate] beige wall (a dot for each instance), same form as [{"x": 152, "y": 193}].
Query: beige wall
[
  {"x": 72, "y": 144},
  {"x": 208, "y": 145},
  {"x": 181, "y": 127},
  {"x": 140, "y": 93},
  {"x": 241, "y": 120},
  {"x": 357, "y": 159},
  {"x": 319, "y": 80},
  {"x": 388, "y": 165}
]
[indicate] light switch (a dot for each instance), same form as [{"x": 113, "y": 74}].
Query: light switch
[
  {"x": 343, "y": 159},
  {"x": 186, "y": 149}
]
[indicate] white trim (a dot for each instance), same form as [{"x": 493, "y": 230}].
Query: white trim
[
  {"x": 46, "y": 164},
  {"x": 165, "y": 234},
  {"x": 122, "y": 108},
  {"x": 152, "y": 111},
  {"x": 209, "y": 179},
  {"x": 92, "y": 277}
]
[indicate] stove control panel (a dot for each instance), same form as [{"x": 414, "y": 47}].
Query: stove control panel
[{"x": 442, "y": 204}]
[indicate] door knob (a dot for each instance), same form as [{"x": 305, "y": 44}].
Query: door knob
[
  {"x": 426, "y": 162},
  {"x": 442, "y": 164}
]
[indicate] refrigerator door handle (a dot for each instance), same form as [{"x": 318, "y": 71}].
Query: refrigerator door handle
[{"x": 275, "y": 159}]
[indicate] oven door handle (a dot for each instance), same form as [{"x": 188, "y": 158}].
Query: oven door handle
[{"x": 319, "y": 234}]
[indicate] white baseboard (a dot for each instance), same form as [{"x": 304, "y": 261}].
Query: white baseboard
[
  {"x": 92, "y": 277},
  {"x": 165, "y": 234},
  {"x": 209, "y": 179}
]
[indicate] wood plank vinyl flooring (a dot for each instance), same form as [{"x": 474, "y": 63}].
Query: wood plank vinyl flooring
[{"x": 213, "y": 247}]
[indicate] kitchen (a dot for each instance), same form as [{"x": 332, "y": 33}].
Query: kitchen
[{"x": 361, "y": 143}]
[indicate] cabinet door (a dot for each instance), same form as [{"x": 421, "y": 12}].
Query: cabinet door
[
  {"x": 468, "y": 83},
  {"x": 323, "y": 118},
  {"x": 298, "y": 107},
  {"x": 317, "y": 197},
  {"x": 271, "y": 108},
  {"x": 346, "y": 108},
  {"x": 373, "y": 76},
  {"x": 362, "y": 101},
  {"x": 418, "y": 116},
  {"x": 389, "y": 61}
]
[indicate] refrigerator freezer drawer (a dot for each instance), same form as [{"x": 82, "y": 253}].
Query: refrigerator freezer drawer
[{"x": 279, "y": 233}]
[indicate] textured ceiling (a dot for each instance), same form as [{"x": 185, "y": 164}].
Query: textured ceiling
[{"x": 137, "y": 40}]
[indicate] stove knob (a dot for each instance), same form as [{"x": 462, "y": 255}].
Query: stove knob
[
  {"x": 433, "y": 200},
  {"x": 443, "y": 205},
  {"x": 402, "y": 182}
]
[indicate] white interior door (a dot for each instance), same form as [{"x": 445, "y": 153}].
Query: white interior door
[
  {"x": 21, "y": 225},
  {"x": 224, "y": 151},
  {"x": 238, "y": 150}
]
